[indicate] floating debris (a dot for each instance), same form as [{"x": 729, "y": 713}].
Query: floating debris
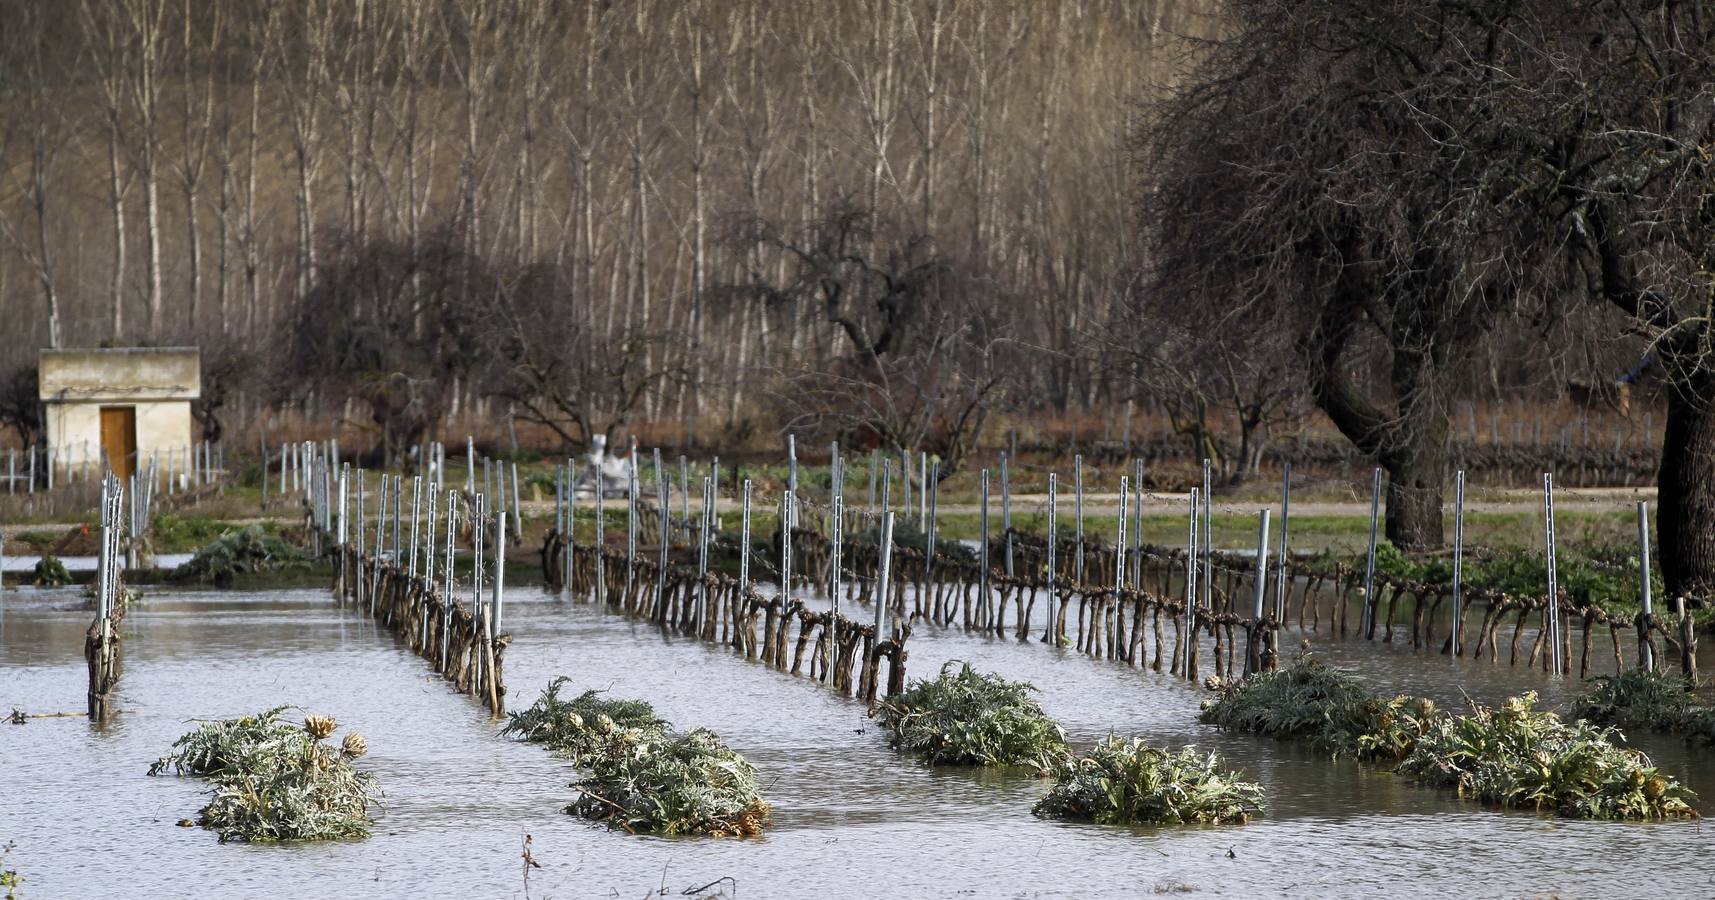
[{"x": 1124, "y": 782}]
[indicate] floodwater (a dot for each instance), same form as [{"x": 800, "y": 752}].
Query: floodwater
[
  {"x": 851, "y": 818},
  {"x": 27, "y": 563}
]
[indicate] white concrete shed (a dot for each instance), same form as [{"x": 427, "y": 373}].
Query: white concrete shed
[{"x": 122, "y": 404}]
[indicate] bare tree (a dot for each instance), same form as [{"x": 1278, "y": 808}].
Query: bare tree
[
  {"x": 557, "y": 370},
  {"x": 1208, "y": 364},
  {"x": 924, "y": 360},
  {"x": 1320, "y": 160}
]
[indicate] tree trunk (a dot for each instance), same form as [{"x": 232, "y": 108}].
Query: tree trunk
[
  {"x": 1685, "y": 504},
  {"x": 1416, "y": 476}
]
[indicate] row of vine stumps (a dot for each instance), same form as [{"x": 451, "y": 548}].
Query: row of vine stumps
[
  {"x": 1139, "y": 616},
  {"x": 637, "y": 773}
]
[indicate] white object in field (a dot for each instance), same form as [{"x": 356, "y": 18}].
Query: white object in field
[{"x": 607, "y": 469}]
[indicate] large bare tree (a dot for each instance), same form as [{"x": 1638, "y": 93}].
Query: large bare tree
[{"x": 1342, "y": 162}]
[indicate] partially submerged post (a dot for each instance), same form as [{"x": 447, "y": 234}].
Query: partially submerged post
[
  {"x": 1078, "y": 519},
  {"x": 1005, "y": 508},
  {"x": 517, "y": 507},
  {"x": 101, "y": 643},
  {"x": 1455, "y": 634},
  {"x": 1259, "y": 620},
  {"x": 1207, "y": 543},
  {"x": 631, "y": 523},
  {"x": 600, "y": 536},
  {"x": 883, "y": 578},
  {"x": 835, "y": 564},
  {"x": 788, "y": 502},
  {"x": 874, "y": 472},
  {"x": 1646, "y": 649},
  {"x": 983, "y": 562},
  {"x": 707, "y": 513},
  {"x": 1556, "y": 663},
  {"x": 1367, "y": 621},
  {"x": 1281, "y": 580},
  {"x": 1137, "y": 532},
  {"x": 416, "y": 515},
  {"x": 1051, "y": 634},
  {"x": 1119, "y": 539},
  {"x": 340, "y": 542},
  {"x": 744, "y": 544},
  {"x": 934, "y": 490},
  {"x": 905, "y": 484},
  {"x": 663, "y": 490},
  {"x": 1189, "y": 640}
]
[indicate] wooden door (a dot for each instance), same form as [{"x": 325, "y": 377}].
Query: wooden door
[{"x": 119, "y": 438}]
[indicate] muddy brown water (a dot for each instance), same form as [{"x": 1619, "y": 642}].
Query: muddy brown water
[{"x": 851, "y": 818}]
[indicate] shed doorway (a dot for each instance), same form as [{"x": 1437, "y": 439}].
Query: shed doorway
[{"x": 119, "y": 438}]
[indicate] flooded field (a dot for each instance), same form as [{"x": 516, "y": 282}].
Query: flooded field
[{"x": 851, "y": 818}]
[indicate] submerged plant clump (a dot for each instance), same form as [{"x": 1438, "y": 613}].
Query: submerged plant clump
[
  {"x": 1312, "y": 700},
  {"x": 50, "y": 572},
  {"x": 1515, "y": 756},
  {"x": 676, "y": 784},
  {"x": 640, "y": 776},
  {"x": 588, "y": 726},
  {"x": 274, "y": 781},
  {"x": 1650, "y": 700},
  {"x": 219, "y": 746},
  {"x": 246, "y": 551},
  {"x": 1123, "y": 782},
  {"x": 964, "y": 717}
]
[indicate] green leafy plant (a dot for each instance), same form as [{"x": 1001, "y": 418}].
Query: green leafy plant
[
  {"x": 1516, "y": 756},
  {"x": 50, "y": 572},
  {"x": 246, "y": 551},
  {"x": 962, "y": 717},
  {"x": 1312, "y": 700},
  {"x": 1599, "y": 575},
  {"x": 171, "y": 532},
  {"x": 590, "y": 725},
  {"x": 218, "y": 746},
  {"x": 10, "y": 880},
  {"x": 687, "y": 783},
  {"x": 274, "y": 781},
  {"x": 1129, "y": 782},
  {"x": 1655, "y": 701}
]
